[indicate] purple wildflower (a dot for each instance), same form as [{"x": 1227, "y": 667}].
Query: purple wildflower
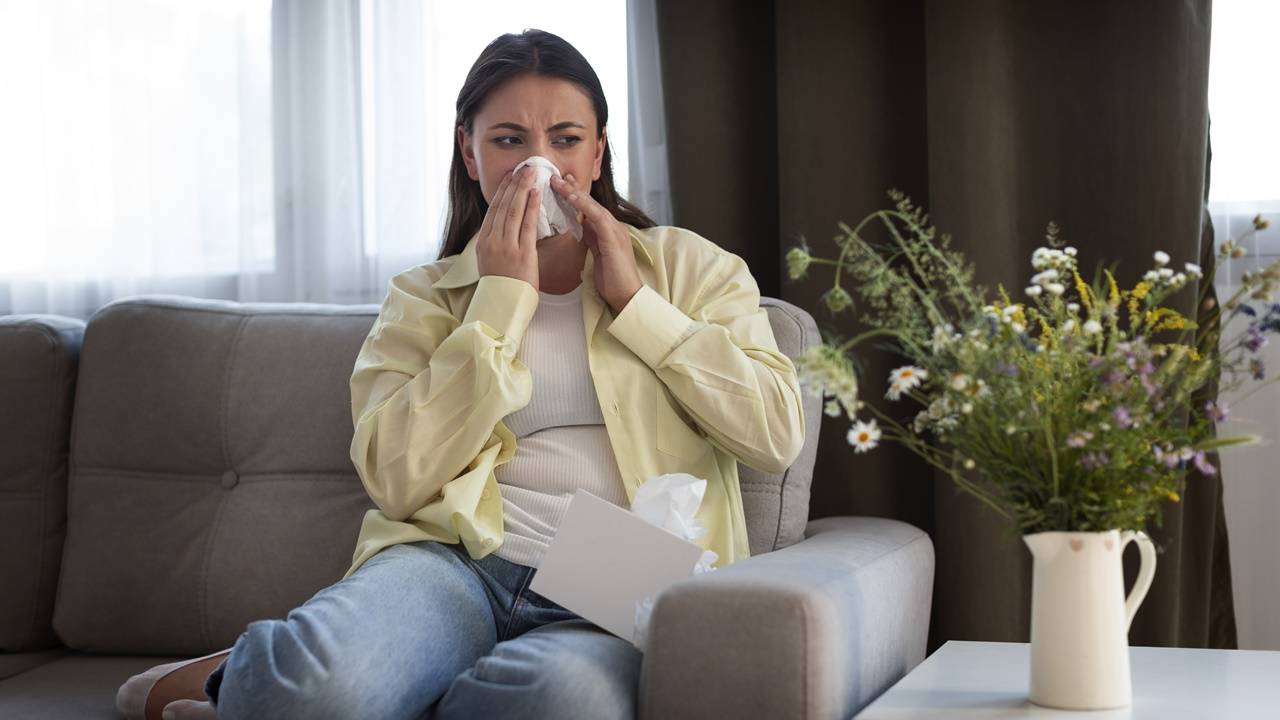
[
  {"x": 1247, "y": 310},
  {"x": 1256, "y": 340},
  {"x": 1149, "y": 386},
  {"x": 1203, "y": 465},
  {"x": 1114, "y": 377},
  {"x": 1122, "y": 416},
  {"x": 1217, "y": 411},
  {"x": 1095, "y": 362},
  {"x": 1094, "y": 460},
  {"x": 1007, "y": 368}
]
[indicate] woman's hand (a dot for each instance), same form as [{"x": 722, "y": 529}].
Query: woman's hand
[
  {"x": 616, "y": 276},
  {"x": 508, "y": 243}
]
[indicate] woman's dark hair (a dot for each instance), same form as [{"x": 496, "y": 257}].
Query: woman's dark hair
[{"x": 541, "y": 53}]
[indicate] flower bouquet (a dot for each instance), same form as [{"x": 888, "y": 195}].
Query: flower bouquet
[{"x": 1073, "y": 410}]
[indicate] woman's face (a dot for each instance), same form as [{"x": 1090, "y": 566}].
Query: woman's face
[{"x": 533, "y": 115}]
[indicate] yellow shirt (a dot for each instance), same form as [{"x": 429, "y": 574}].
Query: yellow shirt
[{"x": 689, "y": 377}]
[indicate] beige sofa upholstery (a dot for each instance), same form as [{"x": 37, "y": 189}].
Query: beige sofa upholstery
[{"x": 177, "y": 468}]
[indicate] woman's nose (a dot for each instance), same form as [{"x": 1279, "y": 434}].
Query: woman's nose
[{"x": 538, "y": 146}]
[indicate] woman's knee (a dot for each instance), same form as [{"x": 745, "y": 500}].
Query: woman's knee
[
  {"x": 274, "y": 671},
  {"x": 552, "y": 674}
]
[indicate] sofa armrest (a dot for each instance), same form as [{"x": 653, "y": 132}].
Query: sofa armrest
[{"x": 815, "y": 630}]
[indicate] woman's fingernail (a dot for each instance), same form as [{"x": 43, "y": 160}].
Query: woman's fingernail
[{"x": 168, "y": 715}]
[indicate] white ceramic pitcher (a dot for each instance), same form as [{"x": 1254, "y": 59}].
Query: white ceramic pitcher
[{"x": 1080, "y": 617}]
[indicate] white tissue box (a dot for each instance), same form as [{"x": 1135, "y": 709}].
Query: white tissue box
[{"x": 605, "y": 562}]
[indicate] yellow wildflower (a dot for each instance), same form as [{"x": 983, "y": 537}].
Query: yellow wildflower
[
  {"x": 1046, "y": 334},
  {"x": 1174, "y": 496},
  {"x": 1139, "y": 292},
  {"x": 1086, "y": 297},
  {"x": 1114, "y": 298},
  {"x": 1164, "y": 319}
]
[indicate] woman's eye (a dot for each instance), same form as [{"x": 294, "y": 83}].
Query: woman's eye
[{"x": 569, "y": 140}]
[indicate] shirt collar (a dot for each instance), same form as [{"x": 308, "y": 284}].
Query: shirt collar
[{"x": 464, "y": 270}]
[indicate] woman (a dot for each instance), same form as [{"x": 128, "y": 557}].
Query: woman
[{"x": 506, "y": 339}]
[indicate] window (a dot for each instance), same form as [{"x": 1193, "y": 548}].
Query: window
[
  {"x": 136, "y": 138},
  {"x": 1244, "y": 132}
]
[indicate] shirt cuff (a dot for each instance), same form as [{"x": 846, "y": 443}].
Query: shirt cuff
[
  {"x": 651, "y": 326},
  {"x": 505, "y": 304}
]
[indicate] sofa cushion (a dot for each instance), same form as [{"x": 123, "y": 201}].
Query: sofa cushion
[
  {"x": 37, "y": 384},
  {"x": 211, "y": 483},
  {"x": 777, "y": 505}
]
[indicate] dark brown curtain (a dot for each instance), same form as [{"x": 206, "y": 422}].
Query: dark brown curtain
[{"x": 785, "y": 117}]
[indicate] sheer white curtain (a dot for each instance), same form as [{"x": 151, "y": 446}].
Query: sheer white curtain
[
  {"x": 136, "y": 150},
  {"x": 650, "y": 184},
  {"x": 287, "y": 151}
]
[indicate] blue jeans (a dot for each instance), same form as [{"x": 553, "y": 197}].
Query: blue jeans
[{"x": 422, "y": 631}]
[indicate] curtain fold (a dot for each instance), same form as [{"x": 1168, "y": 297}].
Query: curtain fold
[
  {"x": 649, "y": 184},
  {"x": 998, "y": 116}
]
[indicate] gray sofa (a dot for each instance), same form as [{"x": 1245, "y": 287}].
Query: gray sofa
[{"x": 177, "y": 468}]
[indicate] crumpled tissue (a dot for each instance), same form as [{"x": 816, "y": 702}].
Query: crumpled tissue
[
  {"x": 670, "y": 502},
  {"x": 556, "y": 215}
]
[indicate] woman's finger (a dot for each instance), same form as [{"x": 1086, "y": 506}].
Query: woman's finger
[
  {"x": 583, "y": 202},
  {"x": 519, "y": 202},
  {"x": 529, "y": 228},
  {"x": 503, "y": 209},
  {"x": 487, "y": 225}
]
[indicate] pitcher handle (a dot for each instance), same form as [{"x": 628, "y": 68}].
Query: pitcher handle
[{"x": 1146, "y": 571}]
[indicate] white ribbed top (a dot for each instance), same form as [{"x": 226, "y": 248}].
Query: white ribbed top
[{"x": 562, "y": 443}]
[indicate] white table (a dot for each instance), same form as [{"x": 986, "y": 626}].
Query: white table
[{"x": 992, "y": 680}]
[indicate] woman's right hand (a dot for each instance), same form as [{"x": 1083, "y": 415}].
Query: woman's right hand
[{"x": 507, "y": 243}]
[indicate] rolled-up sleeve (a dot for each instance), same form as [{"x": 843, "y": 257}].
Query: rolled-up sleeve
[
  {"x": 721, "y": 362},
  {"x": 427, "y": 390}
]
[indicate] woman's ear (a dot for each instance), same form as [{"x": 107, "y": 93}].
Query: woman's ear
[
  {"x": 468, "y": 155},
  {"x": 604, "y": 142}
]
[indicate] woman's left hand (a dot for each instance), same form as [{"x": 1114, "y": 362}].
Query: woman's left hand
[{"x": 617, "y": 278}]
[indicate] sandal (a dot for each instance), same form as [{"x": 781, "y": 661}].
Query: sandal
[{"x": 183, "y": 682}]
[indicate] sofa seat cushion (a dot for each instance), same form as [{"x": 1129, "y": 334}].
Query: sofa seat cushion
[
  {"x": 13, "y": 663},
  {"x": 74, "y": 686}
]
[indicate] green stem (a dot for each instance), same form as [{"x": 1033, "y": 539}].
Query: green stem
[{"x": 868, "y": 334}]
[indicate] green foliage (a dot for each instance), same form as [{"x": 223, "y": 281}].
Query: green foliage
[{"x": 1070, "y": 411}]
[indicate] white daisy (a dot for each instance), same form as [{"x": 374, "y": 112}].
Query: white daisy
[
  {"x": 908, "y": 376},
  {"x": 864, "y": 436}
]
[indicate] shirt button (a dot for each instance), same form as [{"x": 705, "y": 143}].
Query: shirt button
[
  {"x": 487, "y": 542},
  {"x": 486, "y": 495}
]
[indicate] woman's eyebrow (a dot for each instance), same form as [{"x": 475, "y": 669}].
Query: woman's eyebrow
[{"x": 553, "y": 128}]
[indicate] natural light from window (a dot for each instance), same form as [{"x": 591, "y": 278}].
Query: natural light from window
[{"x": 1244, "y": 109}]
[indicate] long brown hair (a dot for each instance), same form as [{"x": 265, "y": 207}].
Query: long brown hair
[{"x": 542, "y": 53}]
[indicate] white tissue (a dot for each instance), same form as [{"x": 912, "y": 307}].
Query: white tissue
[
  {"x": 556, "y": 214},
  {"x": 670, "y": 502}
]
